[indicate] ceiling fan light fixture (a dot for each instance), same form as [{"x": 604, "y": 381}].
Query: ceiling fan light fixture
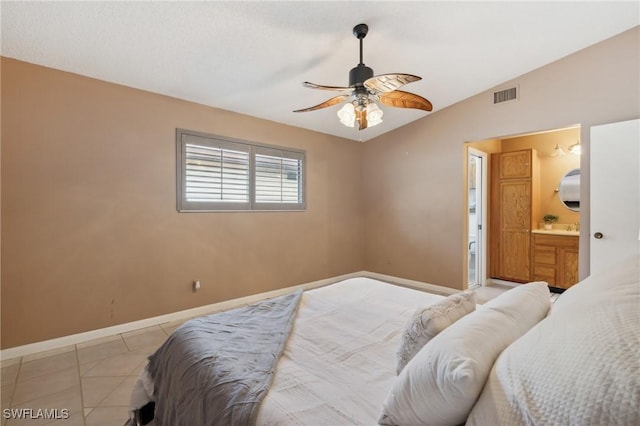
[
  {"x": 374, "y": 114},
  {"x": 365, "y": 89},
  {"x": 347, "y": 115}
]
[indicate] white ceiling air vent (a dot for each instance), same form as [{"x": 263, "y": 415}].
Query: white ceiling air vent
[{"x": 505, "y": 95}]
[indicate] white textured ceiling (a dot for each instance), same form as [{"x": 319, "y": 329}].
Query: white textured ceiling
[{"x": 251, "y": 57}]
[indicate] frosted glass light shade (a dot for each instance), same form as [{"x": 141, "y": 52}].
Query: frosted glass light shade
[
  {"x": 575, "y": 148},
  {"x": 374, "y": 114},
  {"x": 347, "y": 115}
]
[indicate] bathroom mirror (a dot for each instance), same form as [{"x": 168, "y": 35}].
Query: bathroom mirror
[{"x": 569, "y": 190}]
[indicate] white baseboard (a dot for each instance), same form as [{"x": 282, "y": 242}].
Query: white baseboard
[
  {"x": 75, "y": 339},
  {"x": 495, "y": 281},
  {"x": 431, "y": 288}
]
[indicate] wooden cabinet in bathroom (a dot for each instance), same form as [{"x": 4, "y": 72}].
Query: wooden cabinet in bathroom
[
  {"x": 515, "y": 165},
  {"x": 513, "y": 212},
  {"x": 555, "y": 259}
]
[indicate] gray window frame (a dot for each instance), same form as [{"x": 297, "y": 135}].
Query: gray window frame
[{"x": 183, "y": 137}]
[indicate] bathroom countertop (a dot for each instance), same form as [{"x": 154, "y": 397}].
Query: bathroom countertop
[{"x": 556, "y": 232}]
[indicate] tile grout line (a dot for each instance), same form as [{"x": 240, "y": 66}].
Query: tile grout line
[
  {"x": 124, "y": 378},
  {"x": 31, "y": 400},
  {"x": 125, "y": 342},
  {"x": 84, "y": 421},
  {"x": 13, "y": 390},
  {"x": 84, "y": 418},
  {"x": 112, "y": 391}
]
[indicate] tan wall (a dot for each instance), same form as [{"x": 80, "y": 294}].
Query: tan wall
[
  {"x": 552, "y": 169},
  {"x": 90, "y": 232},
  {"x": 413, "y": 177}
]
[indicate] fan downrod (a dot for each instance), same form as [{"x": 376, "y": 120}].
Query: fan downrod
[{"x": 359, "y": 74}]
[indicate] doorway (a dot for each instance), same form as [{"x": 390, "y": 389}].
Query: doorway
[
  {"x": 556, "y": 159},
  {"x": 476, "y": 216}
]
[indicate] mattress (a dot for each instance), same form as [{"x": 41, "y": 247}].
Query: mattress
[{"x": 339, "y": 362}]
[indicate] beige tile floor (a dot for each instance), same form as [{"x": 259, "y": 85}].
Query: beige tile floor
[
  {"x": 487, "y": 292},
  {"x": 491, "y": 290},
  {"x": 92, "y": 380}
]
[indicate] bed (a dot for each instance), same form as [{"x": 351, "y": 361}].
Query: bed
[{"x": 367, "y": 352}]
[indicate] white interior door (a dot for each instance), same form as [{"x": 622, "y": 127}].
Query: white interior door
[{"x": 614, "y": 193}]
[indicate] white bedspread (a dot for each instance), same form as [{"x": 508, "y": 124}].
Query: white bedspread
[{"x": 339, "y": 362}]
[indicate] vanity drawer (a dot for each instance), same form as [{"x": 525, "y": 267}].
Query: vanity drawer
[
  {"x": 555, "y": 240},
  {"x": 545, "y": 255},
  {"x": 555, "y": 259}
]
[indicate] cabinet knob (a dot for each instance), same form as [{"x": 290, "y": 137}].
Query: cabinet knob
[{"x": 598, "y": 235}]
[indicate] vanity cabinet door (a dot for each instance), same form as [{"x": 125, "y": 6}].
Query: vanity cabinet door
[
  {"x": 568, "y": 271},
  {"x": 516, "y": 164}
]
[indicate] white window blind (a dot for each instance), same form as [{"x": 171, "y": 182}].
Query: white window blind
[
  {"x": 278, "y": 177},
  {"x": 216, "y": 175},
  {"x": 222, "y": 174}
]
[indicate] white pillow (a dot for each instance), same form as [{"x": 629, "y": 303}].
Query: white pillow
[
  {"x": 427, "y": 322},
  {"x": 442, "y": 382},
  {"x": 579, "y": 365}
]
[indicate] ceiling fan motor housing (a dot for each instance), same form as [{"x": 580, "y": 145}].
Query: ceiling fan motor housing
[{"x": 359, "y": 74}]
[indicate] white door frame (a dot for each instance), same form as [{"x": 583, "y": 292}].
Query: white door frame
[{"x": 481, "y": 239}]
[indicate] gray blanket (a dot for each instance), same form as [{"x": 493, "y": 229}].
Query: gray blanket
[{"x": 215, "y": 370}]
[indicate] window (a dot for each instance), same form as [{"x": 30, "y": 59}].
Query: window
[{"x": 217, "y": 173}]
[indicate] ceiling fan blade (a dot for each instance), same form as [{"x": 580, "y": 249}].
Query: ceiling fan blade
[
  {"x": 331, "y": 102},
  {"x": 389, "y": 82},
  {"x": 321, "y": 87},
  {"x": 400, "y": 99},
  {"x": 361, "y": 116}
]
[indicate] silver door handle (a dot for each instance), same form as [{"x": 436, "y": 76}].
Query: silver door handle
[{"x": 598, "y": 235}]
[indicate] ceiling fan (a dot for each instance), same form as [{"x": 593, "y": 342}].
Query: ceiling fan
[{"x": 365, "y": 89}]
